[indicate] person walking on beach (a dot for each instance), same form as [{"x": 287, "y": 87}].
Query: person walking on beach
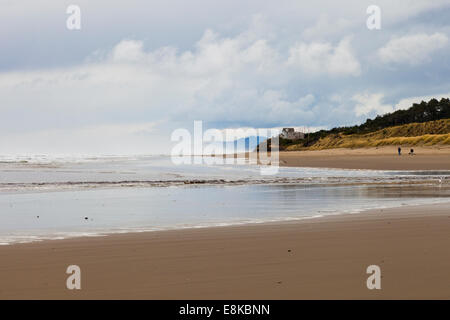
[{"x": 399, "y": 151}]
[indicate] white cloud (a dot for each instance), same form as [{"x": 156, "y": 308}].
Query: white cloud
[
  {"x": 366, "y": 103},
  {"x": 408, "y": 102},
  {"x": 128, "y": 51},
  {"x": 324, "y": 58},
  {"x": 130, "y": 138},
  {"x": 232, "y": 79},
  {"x": 326, "y": 26},
  {"x": 223, "y": 78},
  {"x": 412, "y": 49}
]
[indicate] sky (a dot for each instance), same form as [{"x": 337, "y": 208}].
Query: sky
[{"x": 138, "y": 70}]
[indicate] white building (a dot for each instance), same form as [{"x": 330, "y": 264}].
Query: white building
[{"x": 291, "y": 134}]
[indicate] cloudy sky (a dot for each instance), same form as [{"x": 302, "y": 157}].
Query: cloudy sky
[{"x": 137, "y": 70}]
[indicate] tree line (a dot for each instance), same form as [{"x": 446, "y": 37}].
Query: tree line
[{"x": 418, "y": 113}]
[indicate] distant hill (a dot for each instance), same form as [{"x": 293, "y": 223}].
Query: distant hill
[
  {"x": 417, "y": 125},
  {"x": 240, "y": 145},
  {"x": 245, "y": 144}
]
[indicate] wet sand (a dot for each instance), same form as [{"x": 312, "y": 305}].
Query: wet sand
[
  {"x": 385, "y": 158},
  {"x": 316, "y": 258}
]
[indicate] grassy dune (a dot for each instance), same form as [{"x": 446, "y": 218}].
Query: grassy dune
[{"x": 413, "y": 134}]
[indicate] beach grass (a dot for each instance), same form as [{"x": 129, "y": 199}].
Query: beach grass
[{"x": 414, "y": 134}]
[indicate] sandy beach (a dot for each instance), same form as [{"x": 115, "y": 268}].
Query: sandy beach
[
  {"x": 384, "y": 158},
  {"x": 276, "y": 150},
  {"x": 320, "y": 258}
]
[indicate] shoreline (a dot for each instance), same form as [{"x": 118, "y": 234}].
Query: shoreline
[
  {"x": 264, "y": 222},
  {"x": 327, "y": 260}
]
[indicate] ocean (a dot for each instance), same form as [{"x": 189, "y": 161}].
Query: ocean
[{"x": 44, "y": 197}]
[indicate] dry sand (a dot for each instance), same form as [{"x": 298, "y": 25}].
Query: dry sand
[
  {"x": 315, "y": 258},
  {"x": 385, "y": 158}
]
